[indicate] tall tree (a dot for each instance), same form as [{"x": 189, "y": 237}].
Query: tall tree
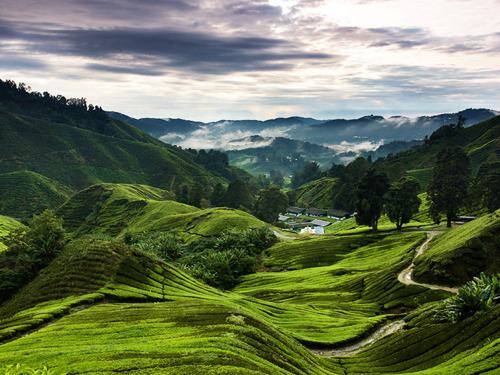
[
  {"x": 487, "y": 185},
  {"x": 195, "y": 195},
  {"x": 237, "y": 195},
  {"x": 271, "y": 202},
  {"x": 370, "y": 196},
  {"x": 402, "y": 201},
  {"x": 448, "y": 188},
  {"x": 217, "y": 197}
]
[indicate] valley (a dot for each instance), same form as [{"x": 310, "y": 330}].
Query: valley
[{"x": 121, "y": 253}]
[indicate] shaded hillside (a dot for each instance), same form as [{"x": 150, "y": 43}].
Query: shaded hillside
[
  {"x": 456, "y": 256},
  {"x": 115, "y": 209},
  {"x": 78, "y": 158},
  {"x": 7, "y": 225},
  {"x": 479, "y": 141},
  {"x": 318, "y": 193},
  {"x": 25, "y": 193},
  {"x": 69, "y": 111}
]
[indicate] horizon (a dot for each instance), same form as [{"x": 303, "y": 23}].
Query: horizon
[{"x": 261, "y": 59}]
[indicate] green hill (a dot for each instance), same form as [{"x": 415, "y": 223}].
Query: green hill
[
  {"x": 25, "y": 193},
  {"x": 318, "y": 193},
  {"x": 78, "y": 158},
  {"x": 7, "y": 225},
  {"x": 116, "y": 209},
  {"x": 480, "y": 141},
  {"x": 456, "y": 256}
]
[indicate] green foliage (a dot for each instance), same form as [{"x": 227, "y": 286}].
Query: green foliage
[
  {"x": 217, "y": 197},
  {"x": 479, "y": 294},
  {"x": 237, "y": 195},
  {"x": 318, "y": 193},
  {"x": 402, "y": 201},
  {"x": 19, "y": 369},
  {"x": 448, "y": 190},
  {"x": 369, "y": 197},
  {"x": 310, "y": 172},
  {"x": 29, "y": 251},
  {"x": 487, "y": 185},
  {"x": 218, "y": 261},
  {"x": 270, "y": 203}
]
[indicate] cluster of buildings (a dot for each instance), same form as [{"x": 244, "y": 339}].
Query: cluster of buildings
[{"x": 294, "y": 219}]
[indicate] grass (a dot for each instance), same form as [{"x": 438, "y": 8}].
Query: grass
[
  {"x": 7, "y": 225},
  {"x": 460, "y": 254},
  {"x": 25, "y": 193}
]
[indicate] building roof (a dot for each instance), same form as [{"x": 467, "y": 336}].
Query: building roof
[
  {"x": 336, "y": 213},
  {"x": 283, "y": 218},
  {"x": 320, "y": 223},
  {"x": 315, "y": 211},
  {"x": 298, "y": 225},
  {"x": 296, "y": 210}
]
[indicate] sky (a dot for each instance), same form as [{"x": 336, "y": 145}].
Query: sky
[{"x": 257, "y": 59}]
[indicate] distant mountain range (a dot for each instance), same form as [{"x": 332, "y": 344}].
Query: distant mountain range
[
  {"x": 324, "y": 132},
  {"x": 324, "y": 141}
]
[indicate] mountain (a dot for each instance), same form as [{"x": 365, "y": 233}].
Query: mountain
[
  {"x": 480, "y": 141},
  {"x": 158, "y": 127},
  {"x": 367, "y": 129},
  {"x": 76, "y": 145},
  {"x": 374, "y": 128}
]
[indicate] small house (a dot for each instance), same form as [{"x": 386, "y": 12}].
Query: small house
[
  {"x": 296, "y": 211},
  {"x": 336, "y": 214},
  {"x": 315, "y": 212},
  {"x": 283, "y": 218},
  {"x": 320, "y": 223}
]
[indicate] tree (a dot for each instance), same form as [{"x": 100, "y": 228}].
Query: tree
[
  {"x": 402, "y": 201},
  {"x": 217, "y": 197},
  {"x": 370, "y": 197},
  {"x": 448, "y": 189},
  {"x": 271, "y": 202},
  {"x": 487, "y": 185},
  {"x": 310, "y": 172},
  {"x": 29, "y": 250},
  {"x": 182, "y": 193},
  {"x": 195, "y": 195},
  {"x": 237, "y": 195}
]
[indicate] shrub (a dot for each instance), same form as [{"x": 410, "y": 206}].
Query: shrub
[
  {"x": 29, "y": 251},
  {"x": 480, "y": 294}
]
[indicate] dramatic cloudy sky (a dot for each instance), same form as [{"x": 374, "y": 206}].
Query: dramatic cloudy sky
[{"x": 233, "y": 59}]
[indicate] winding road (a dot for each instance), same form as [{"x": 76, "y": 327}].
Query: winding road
[
  {"x": 390, "y": 327},
  {"x": 405, "y": 275}
]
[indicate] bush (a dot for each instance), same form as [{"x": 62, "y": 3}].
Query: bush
[
  {"x": 218, "y": 261},
  {"x": 29, "y": 251},
  {"x": 480, "y": 294}
]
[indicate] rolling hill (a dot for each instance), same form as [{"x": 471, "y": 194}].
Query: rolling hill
[
  {"x": 116, "y": 209},
  {"x": 24, "y": 193}
]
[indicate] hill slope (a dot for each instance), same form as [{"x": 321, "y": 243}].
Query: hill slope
[
  {"x": 7, "y": 225},
  {"x": 479, "y": 141},
  {"x": 115, "y": 209},
  {"x": 456, "y": 256},
  {"x": 25, "y": 193}
]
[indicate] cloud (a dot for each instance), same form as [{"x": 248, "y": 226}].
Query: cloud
[
  {"x": 356, "y": 147},
  {"x": 165, "y": 48}
]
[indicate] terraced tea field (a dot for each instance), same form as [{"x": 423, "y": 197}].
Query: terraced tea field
[{"x": 103, "y": 307}]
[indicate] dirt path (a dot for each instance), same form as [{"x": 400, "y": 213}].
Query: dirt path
[
  {"x": 383, "y": 331},
  {"x": 282, "y": 236},
  {"x": 405, "y": 275}
]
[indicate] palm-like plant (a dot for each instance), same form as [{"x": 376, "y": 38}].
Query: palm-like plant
[{"x": 479, "y": 294}]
